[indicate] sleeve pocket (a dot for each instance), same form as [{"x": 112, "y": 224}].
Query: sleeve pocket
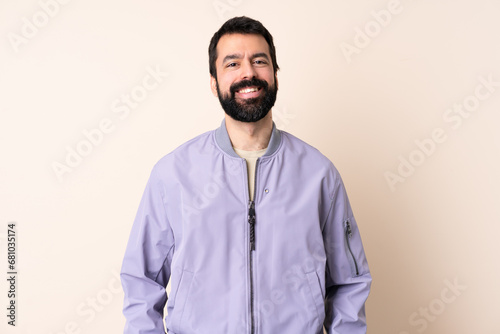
[{"x": 354, "y": 248}]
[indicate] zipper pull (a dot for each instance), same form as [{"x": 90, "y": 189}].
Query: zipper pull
[
  {"x": 251, "y": 221},
  {"x": 348, "y": 228}
]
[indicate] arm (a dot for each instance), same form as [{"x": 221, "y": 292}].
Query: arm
[
  {"x": 348, "y": 277},
  {"x": 146, "y": 266}
]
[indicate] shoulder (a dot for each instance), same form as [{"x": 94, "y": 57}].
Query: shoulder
[
  {"x": 188, "y": 151},
  {"x": 311, "y": 160},
  {"x": 294, "y": 145}
]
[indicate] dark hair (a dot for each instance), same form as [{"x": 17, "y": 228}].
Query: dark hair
[{"x": 240, "y": 25}]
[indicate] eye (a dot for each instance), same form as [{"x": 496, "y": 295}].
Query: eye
[
  {"x": 260, "y": 62},
  {"x": 231, "y": 65}
]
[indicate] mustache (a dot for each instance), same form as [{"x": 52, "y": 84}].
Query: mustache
[{"x": 248, "y": 83}]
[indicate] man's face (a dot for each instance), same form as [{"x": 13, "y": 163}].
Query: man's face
[{"x": 245, "y": 84}]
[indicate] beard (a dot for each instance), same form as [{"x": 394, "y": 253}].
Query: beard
[{"x": 252, "y": 109}]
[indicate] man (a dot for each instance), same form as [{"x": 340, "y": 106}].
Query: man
[{"x": 252, "y": 226}]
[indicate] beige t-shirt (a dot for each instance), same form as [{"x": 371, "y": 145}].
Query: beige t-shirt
[{"x": 251, "y": 158}]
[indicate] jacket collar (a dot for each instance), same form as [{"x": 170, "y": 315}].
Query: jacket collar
[{"x": 222, "y": 138}]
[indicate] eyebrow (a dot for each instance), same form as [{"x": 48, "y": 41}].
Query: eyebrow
[{"x": 238, "y": 56}]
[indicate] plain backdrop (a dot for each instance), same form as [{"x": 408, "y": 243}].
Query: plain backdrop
[{"x": 403, "y": 97}]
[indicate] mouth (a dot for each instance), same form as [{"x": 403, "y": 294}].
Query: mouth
[{"x": 248, "y": 92}]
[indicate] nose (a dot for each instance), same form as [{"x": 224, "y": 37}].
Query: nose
[{"x": 247, "y": 70}]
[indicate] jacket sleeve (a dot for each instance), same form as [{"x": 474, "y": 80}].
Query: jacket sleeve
[
  {"x": 348, "y": 277},
  {"x": 146, "y": 265}
]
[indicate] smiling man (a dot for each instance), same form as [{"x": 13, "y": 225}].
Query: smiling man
[{"x": 252, "y": 226}]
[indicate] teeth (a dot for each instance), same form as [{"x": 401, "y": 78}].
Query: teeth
[{"x": 248, "y": 90}]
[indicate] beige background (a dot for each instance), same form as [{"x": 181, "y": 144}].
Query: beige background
[{"x": 364, "y": 111}]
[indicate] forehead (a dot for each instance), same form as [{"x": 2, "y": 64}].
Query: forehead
[{"x": 243, "y": 44}]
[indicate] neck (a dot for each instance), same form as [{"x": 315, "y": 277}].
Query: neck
[{"x": 250, "y": 136}]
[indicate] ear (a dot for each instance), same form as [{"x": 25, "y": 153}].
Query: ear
[
  {"x": 213, "y": 85},
  {"x": 276, "y": 80}
]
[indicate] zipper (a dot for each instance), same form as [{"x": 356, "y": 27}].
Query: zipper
[
  {"x": 251, "y": 221},
  {"x": 348, "y": 235}
]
